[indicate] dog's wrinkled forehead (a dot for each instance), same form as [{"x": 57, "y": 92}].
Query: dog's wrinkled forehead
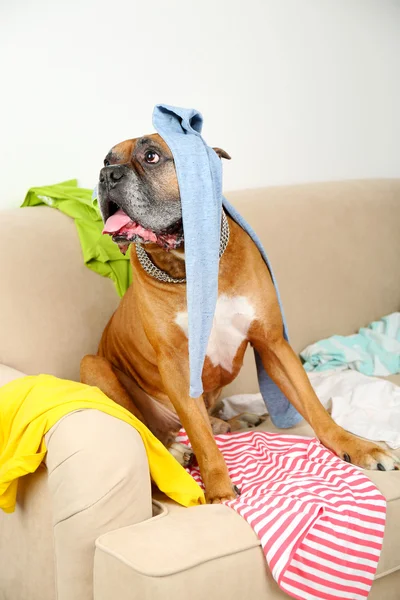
[{"x": 132, "y": 151}]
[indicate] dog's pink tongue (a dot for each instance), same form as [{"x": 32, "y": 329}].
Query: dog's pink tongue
[
  {"x": 116, "y": 222},
  {"x": 123, "y": 225}
]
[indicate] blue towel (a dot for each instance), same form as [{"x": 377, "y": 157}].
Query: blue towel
[
  {"x": 374, "y": 350},
  {"x": 199, "y": 173}
]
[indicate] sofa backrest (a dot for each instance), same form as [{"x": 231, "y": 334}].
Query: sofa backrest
[
  {"x": 335, "y": 251},
  {"x": 334, "y": 247},
  {"x": 52, "y": 307}
]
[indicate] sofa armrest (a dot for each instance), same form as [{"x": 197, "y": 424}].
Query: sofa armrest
[
  {"x": 206, "y": 551},
  {"x": 99, "y": 480}
]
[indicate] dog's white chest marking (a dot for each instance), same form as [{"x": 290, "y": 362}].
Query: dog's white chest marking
[{"x": 232, "y": 319}]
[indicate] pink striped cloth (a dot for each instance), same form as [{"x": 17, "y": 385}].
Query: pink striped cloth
[{"x": 320, "y": 520}]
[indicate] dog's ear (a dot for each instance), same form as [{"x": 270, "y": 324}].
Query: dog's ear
[{"x": 221, "y": 153}]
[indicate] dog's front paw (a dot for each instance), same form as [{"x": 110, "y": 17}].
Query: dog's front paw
[
  {"x": 366, "y": 455},
  {"x": 219, "y": 487},
  {"x": 221, "y": 497}
]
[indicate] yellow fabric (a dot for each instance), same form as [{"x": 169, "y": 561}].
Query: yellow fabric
[{"x": 30, "y": 406}]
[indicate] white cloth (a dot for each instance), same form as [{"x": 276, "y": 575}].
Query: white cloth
[
  {"x": 366, "y": 406},
  {"x": 240, "y": 403}
]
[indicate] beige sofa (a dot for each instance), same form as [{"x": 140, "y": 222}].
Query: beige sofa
[{"x": 87, "y": 524}]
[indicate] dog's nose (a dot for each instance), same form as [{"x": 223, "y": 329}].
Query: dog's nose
[{"x": 111, "y": 174}]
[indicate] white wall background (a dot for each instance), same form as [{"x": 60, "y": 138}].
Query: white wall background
[{"x": 295, "y": 90}]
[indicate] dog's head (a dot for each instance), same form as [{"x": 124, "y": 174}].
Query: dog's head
[{"x": 138, "y": 193}]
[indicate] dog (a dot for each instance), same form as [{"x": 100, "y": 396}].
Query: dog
[{"x": 142, "y": 361}]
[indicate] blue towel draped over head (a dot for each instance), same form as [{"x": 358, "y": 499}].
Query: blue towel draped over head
[{"x": 199, "y": 173}]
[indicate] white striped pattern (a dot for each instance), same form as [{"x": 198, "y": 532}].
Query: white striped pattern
[{"x": 320, "y": 520}]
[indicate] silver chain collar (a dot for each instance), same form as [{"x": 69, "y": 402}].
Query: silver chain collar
[{"x": 157, "y": 273}]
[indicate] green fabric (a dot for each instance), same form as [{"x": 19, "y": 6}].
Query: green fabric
[{"x": 100, "y": 253}]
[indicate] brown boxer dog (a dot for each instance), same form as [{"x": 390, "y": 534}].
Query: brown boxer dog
[{"x": 142, "y": 361}]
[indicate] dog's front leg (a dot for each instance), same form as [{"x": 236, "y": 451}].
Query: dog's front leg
[
  {"x": 194, "y": 418},
  {"x": 286, "y": 370}
]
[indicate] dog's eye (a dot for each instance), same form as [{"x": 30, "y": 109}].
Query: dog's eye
[
  {"x": 151, "y": 157},
  {"x": 106, "y": 163}
]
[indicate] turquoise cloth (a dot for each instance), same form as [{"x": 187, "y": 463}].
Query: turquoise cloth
[
  {"x": 199, "y": 175},
  {"x": 100, "y": 254},
  {"x": 374, "y": 350}
]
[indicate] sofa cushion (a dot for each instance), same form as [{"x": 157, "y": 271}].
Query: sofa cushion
[
  {"x": 204, "y": 547},
  {"x": 208, "y": 550}
]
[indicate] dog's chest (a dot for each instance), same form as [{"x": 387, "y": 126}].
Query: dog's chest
[{"x": 232, "y": 319}]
